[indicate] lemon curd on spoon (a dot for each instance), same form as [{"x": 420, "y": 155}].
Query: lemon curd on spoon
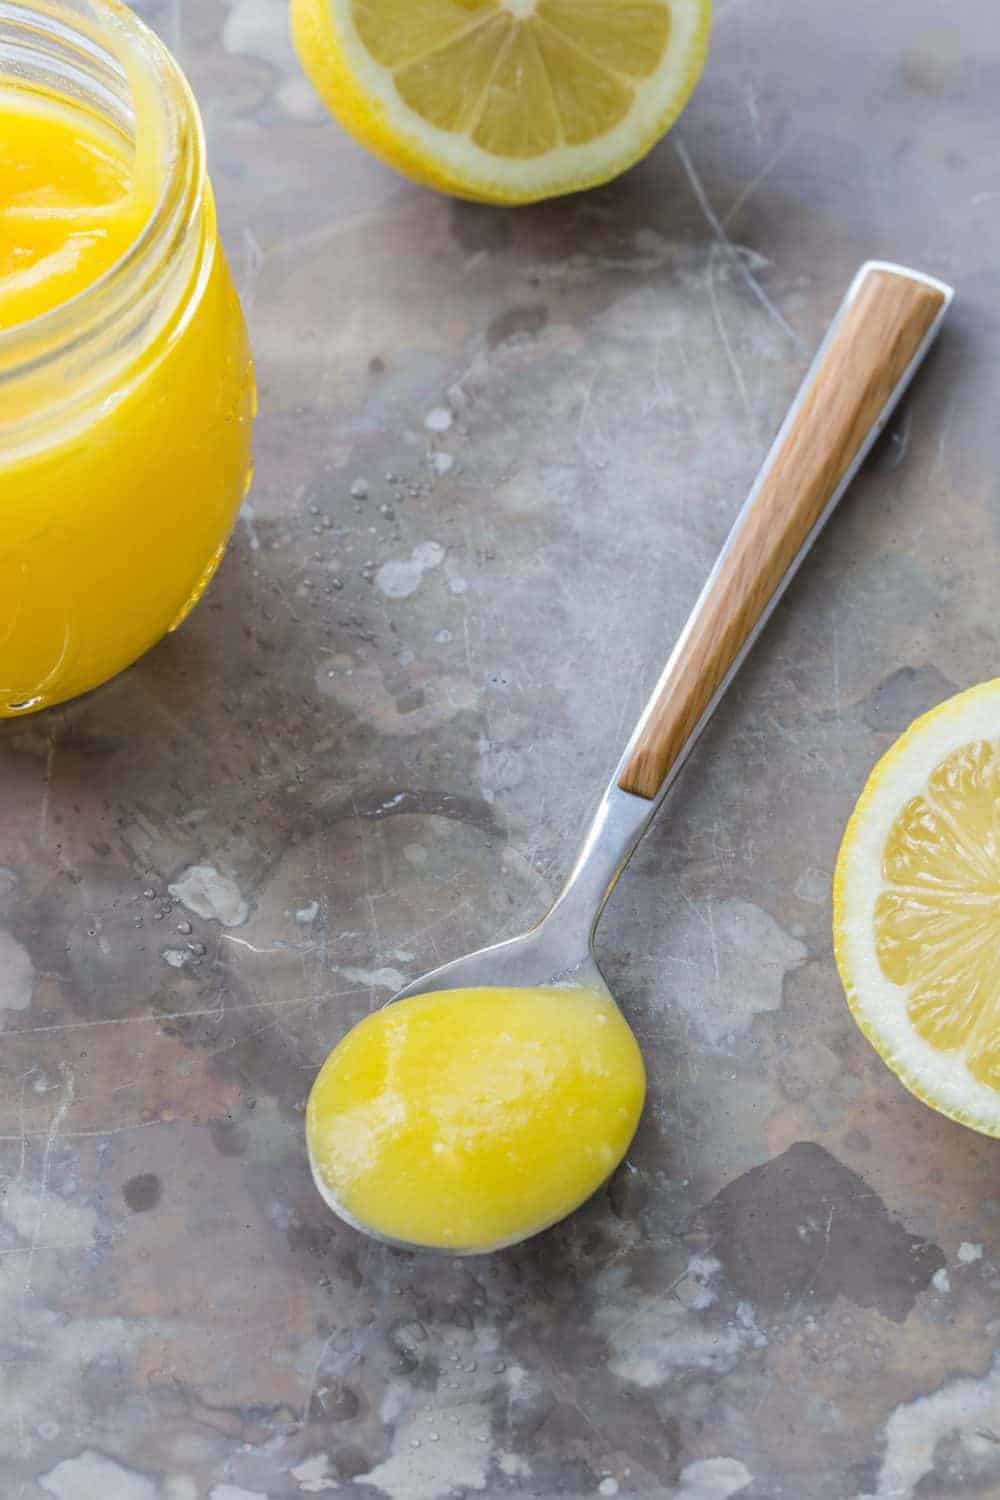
[{"x": 465, "y": 1120}]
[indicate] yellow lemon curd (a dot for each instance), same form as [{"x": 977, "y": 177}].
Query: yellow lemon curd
[
  {"x": 466, "y": 1120},
  {"x": 116, "y": 495},
  {"x": 67, "y": 211}
]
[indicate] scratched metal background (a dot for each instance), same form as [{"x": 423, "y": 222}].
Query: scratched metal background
[{"x": 497, "y": 453}]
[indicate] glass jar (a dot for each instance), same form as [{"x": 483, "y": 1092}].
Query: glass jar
[{"x": 126, "y": 411}]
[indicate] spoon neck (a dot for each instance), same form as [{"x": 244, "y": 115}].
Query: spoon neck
[{"x": 618, "y": 825}]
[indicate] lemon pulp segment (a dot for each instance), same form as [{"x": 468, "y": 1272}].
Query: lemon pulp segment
[{"x": 937, "y": 923}]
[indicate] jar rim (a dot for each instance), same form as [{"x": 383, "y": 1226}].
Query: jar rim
[{"x": 111, "y": 34}]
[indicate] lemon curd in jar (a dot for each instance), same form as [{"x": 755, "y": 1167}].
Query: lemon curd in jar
[{"x": 126, "y": 389}]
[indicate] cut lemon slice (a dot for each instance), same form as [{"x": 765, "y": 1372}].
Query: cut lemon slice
[
  {"x": 917, "y": 908},
  {"x": 505, "y": 101}
]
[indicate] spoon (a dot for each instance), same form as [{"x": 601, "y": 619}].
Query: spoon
[{"x": 878, "y": 338}]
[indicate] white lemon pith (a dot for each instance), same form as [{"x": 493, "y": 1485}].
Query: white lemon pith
[
  {"x": 506, "y": 101},
  {"x": 917, "y": 908}
]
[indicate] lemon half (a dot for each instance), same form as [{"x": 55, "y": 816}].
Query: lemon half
[
  {"x": 917, "y": 908},
  {"x": 504, "y": 101}
]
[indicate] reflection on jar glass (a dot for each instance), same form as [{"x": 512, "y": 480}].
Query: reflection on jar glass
[{"x": 126, "y": 387}]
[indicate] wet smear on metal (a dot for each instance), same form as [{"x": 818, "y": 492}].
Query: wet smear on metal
[
  {"x": 804, "y": 1229},
  {"x": 142, "y": 1192}
]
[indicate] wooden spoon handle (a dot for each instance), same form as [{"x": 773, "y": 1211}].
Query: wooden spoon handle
[{"x": 883, "y": 327}]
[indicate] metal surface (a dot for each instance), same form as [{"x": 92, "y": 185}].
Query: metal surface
[{"x": 789, "y": 1293}]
